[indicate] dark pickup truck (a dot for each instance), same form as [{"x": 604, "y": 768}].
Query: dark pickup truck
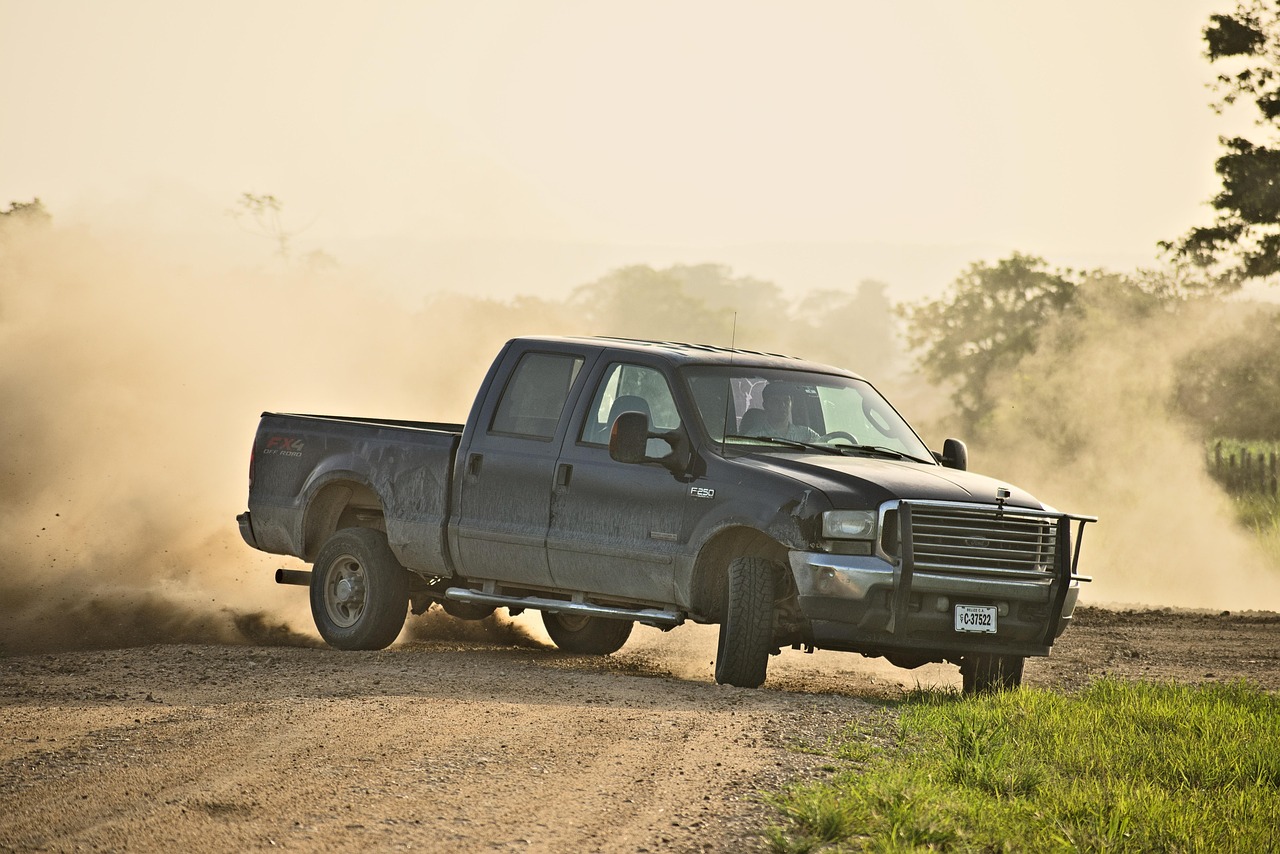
[{"x": 607, "y": 482}]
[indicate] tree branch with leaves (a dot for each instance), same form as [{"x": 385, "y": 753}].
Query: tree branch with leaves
[
  {"x": 986, "y": 322},
  {"x": 1243, "y": 242}
]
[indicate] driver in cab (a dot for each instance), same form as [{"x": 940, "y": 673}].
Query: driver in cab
[{"x": 777, "y": 416}]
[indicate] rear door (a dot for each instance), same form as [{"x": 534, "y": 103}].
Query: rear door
[{"x": 505, "y": 474}]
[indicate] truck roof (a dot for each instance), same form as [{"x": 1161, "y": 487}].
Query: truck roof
[{"x": 681, "y": 353}]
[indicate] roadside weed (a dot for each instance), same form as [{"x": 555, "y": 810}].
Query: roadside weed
[{"x": 1119, "y": 766}]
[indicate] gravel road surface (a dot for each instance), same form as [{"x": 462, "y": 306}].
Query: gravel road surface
[{"x": 468, "y": 737}]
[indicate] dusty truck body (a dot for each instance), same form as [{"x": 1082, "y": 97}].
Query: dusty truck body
[{"x": 607, "y": 482}]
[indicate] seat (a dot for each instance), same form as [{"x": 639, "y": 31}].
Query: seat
[
  {"x": 629, "y": 403},
  {"x": 754, "y": 423}
]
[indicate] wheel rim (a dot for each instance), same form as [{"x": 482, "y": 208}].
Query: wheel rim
[
  {"x": 572, "y": 622},
  {"x": 344, "y": 591}
]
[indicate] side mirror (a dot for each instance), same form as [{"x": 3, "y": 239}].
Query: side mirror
[
  {"x": 955, "y": 455},
  {"x": 629, "y": 437}
]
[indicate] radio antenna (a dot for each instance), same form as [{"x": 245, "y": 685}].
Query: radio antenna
[{"x": 728, "y": 385}]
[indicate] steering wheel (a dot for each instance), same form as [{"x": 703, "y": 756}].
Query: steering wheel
[
  {"x": 838, "y": 434},
  {"x": 876, "y": 419}
]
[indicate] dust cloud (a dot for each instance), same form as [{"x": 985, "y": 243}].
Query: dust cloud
[
  {"x": 1085, "y": 423},
  {"x": 132, "y": 374},
  {"x": 497, "y": 628},
  {"x": 133, "y": 370}
]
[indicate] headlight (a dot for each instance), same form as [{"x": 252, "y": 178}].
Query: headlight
[{"x": 849, "y": 524}]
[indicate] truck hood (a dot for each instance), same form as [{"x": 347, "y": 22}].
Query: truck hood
[{"x": 855, "y": 482}]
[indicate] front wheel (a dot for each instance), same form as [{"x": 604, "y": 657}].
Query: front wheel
[
  {"x": 986, "y": 674},
  {"x": 746, "y": 635},
  {"x": 586, "y": 635},
  {"x": 359, "y": 591}
]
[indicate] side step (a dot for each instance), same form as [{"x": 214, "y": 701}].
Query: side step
[{"x": 648, "y": 616}]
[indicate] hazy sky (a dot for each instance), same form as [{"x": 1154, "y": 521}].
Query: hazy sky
[{"x": 514, "y": 146}]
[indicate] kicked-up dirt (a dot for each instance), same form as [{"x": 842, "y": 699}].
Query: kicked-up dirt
[{"x": 482, "y": 738}]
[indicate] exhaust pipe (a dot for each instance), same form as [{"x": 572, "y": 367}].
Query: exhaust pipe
[{"x": 301, "y": 577}]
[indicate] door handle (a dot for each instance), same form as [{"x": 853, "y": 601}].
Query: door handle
[
  {"x": 564, "y": 472},
  {"x": 473, "y": 464}
]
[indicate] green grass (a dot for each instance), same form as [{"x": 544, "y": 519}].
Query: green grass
[
  {"x": 1260, "y": 515},
  {"x": 1117, "y": 767},
  {"x": 1257, "y": 512},
  {"x": 1238, "y": 446}
]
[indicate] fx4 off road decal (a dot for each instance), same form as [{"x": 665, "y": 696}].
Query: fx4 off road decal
[{"x": 283, "y": 446}]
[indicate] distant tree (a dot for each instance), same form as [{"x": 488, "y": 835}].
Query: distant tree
[
  {"x": 680, "y": 303},
  {"x": 987, "y": 321},
  {"x": 1231, "y": 387},
  {"x": 855, "y": 329},
  {"x": 1244, "y": 240},
  {"x": 32, "y": 212},
  {"x": 261, "y": 215},
  {"x": 708, "y": 304}
]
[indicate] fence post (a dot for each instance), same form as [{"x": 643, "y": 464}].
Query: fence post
[{"x": 1250, "y": 473}]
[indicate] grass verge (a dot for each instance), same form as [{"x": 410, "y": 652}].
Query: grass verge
[
  {"x": 1119, "y": 766},
  {"x": 1257, "y": 511},
  {"x": 1260, "y": 515}
]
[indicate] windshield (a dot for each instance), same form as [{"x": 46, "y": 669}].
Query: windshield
[{"x": 747, "y": 406}]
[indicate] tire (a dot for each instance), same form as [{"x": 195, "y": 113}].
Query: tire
[
  {"x": 986, "y": 674},
  {"x": 746, "y": 635},
  {"x": 359, "y": 591},
  {"x": 586, "y": 635}
]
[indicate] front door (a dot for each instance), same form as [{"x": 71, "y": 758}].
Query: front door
[{"x": 616, "y": 528}]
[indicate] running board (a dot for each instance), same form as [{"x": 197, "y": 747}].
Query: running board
[{"x": 648, "y": 616}]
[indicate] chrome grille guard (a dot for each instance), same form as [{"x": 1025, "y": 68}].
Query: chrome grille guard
[{"x": 955, "y": 538}]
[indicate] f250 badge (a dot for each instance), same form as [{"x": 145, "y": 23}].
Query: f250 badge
[
  {"x": 702, "y": 492},
  {"x": 283, "y": 446}
]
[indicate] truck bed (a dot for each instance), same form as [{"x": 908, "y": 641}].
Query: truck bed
[{"x": 398, "y": 470}]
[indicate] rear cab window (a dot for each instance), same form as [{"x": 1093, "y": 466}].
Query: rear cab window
[{"x": 535, "y": 395}]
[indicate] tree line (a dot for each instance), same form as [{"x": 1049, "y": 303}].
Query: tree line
[{"x": 994, "y": 317}]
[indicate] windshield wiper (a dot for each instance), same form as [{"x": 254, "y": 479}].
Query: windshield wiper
[
  {"x": 876, "y": 450},
  {"x": 884, "y": 452},
  {"x": 789, "y": 443}
]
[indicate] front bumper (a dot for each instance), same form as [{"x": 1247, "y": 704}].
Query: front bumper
[{"x": 858, "y": 604}]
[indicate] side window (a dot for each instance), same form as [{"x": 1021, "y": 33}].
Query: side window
[
  {"x": 631, "y": 388},
  {"x": 535, "y": 395}
]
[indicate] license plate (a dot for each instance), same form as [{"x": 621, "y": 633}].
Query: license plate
[{"x": 976, "y": 618}]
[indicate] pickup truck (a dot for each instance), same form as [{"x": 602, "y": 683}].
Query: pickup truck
[{"x": 608, "y": 482}]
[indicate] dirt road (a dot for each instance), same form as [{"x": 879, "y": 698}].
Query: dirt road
[{"x": 474, "y": 740}]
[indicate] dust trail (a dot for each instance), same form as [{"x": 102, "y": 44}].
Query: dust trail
[
  {"x": 1086, "y": 424},
  {"x": 132, "y": 373},
  {"x": 497, "y": 628}
]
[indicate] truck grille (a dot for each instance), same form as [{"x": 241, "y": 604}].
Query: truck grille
[{"x": 977, "y": 540}]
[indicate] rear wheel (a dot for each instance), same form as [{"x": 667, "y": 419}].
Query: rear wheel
[
  {"x": 986, "y": 674},
  {"x": 359, "y": 591},
  {"x": 746, "y": 635},
  {"x": 586, "y": 635}
]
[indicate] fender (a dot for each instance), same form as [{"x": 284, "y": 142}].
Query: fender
[
  {"x": 793, "y": 525},
  {"x": 345, "y": 468}
]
